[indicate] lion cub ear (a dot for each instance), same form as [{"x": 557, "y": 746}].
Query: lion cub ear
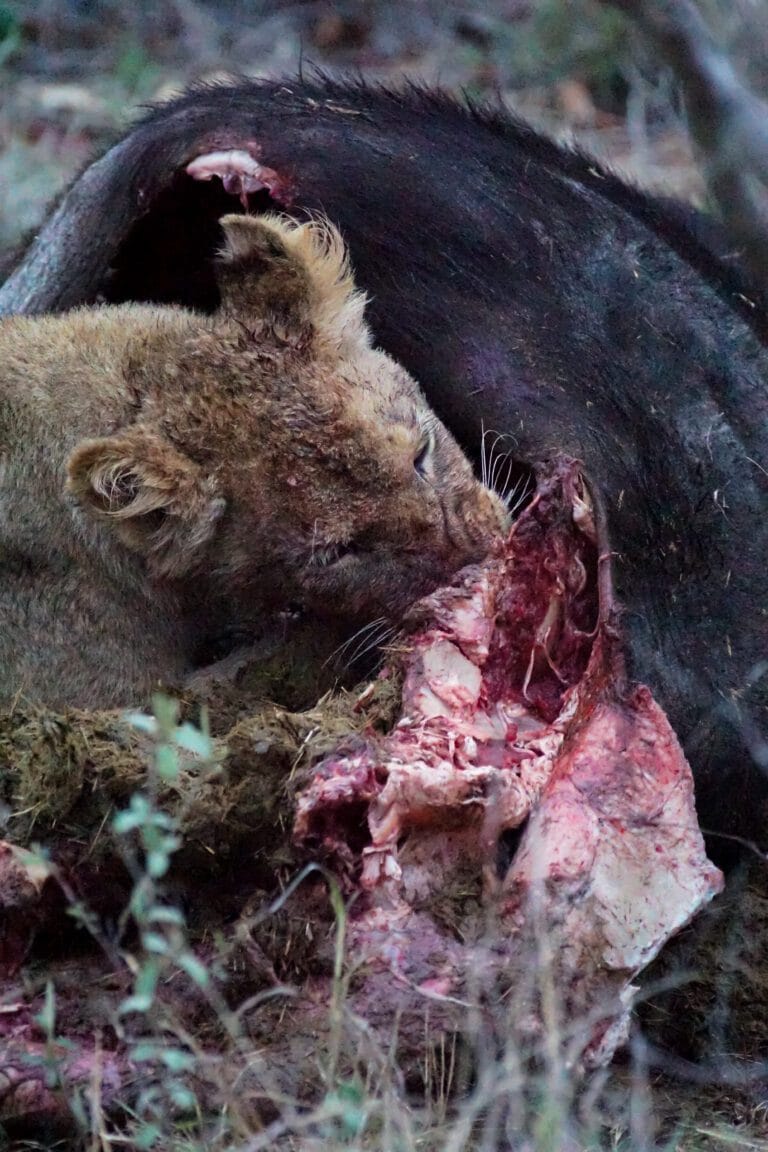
[
  {"x": 157, "y": 501},
  {"x": 293, "y": 281}
]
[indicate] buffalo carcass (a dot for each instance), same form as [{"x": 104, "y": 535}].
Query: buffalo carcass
[{"x": 534, "y": 294}]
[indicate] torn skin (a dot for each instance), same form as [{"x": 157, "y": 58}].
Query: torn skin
[
  {"x": 515, "y": 709},
  {"x": 241, "y": 174}
]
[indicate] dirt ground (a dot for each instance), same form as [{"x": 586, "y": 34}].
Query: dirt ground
[{"x": 82, "y": 902}]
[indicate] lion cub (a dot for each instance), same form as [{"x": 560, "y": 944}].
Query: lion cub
[{"x": 167, "y": 476}]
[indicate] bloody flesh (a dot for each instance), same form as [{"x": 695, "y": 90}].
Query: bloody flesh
[{"x": 516, "y": 709}]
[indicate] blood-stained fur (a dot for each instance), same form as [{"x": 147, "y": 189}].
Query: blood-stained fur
[
  {"x": 166, "y": 474},
  {"x": 532, "y": 292}
]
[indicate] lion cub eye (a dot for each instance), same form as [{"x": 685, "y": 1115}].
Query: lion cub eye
[{"x": 422, "y": 461}]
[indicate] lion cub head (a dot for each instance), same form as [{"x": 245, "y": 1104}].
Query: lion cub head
[{"x": 280, "y": 457}]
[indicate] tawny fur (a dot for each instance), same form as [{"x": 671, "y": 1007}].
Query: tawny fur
[{"x": 166, "y": 476}]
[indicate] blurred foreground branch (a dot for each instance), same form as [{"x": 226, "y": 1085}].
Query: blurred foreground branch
[{"x": 729, "y": 124}]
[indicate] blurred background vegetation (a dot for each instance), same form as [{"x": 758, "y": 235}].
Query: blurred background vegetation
[{"x": 74, "y": 72}]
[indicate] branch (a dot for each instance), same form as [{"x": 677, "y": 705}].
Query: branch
[{"x": 729, "y": 124}]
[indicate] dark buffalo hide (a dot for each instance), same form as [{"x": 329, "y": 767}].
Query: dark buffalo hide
[{"x": 532, "y": 293}]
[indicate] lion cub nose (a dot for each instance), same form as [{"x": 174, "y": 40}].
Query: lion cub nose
[{"x": 478, "y": 518}]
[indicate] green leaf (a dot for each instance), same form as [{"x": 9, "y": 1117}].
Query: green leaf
[
  {"x": 167, "y": 762},
  {"x": 162, "y": 820},
  {"x": 192, "y": 740},
  {"x": 348, "y": 1103},
  {"x": 135, "y": 1003},
  {"x": 144, "y": 989},
  {"x": 177, "y": 1060},
  {"x": 125, "y": 822},
  {"x": 194, "y": 968},
  {"x": 161, "y": 914},
  {"x": 158, "y": 863},
  {"x": 132, "y": 817},
  {"x": 155, "y": 942},
  {"x": 140, "y": 902},
  {"x": 166, "y": 711},
  {"x": 141, "y": 722},
  {"x": 46, "y": 1017},
  {"x": 35, "y": 861},
  {"x": 183, "y": 1098},
  {"x": 147, "y": 1136},
  {"x": 146, "y": 980}
]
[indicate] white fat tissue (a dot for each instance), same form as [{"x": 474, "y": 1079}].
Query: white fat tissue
[
  {"x": 233, "y": 163},
  {"x": 507, "y": 726}
]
